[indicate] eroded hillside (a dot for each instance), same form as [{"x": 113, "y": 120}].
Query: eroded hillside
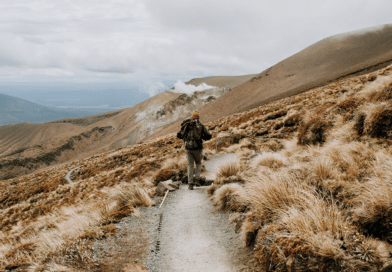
[
  {"x": 27, "y": 147},
  {"x": 310, "y": 190}
]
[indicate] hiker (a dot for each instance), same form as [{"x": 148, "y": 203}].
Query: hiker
[{"x": 193, "y": 133}]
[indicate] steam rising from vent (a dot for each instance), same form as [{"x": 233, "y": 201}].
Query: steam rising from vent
[{"x": 181, "y": 87}]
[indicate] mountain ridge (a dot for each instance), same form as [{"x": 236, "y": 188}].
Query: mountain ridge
[
  {"x": 329, "y": 59},
  {"x": 43, "y": 145}
]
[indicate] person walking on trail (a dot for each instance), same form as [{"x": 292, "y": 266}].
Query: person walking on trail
[{"x": 193, "y": 132}]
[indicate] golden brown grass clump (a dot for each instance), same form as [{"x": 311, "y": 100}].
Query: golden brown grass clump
[
  {"x": 375, "y": 120},
  {"x": 41, "y": 215},
  {"x": 163, "y": 175},
  {"x": 313, "y": 131},
  {"x": 301, "y": 231},
  {"x": 59, "y": 232},
  {"x": 228, "y": 170},
  {"x": 320, "y": 200},
  {"x": 211, "y": 189},
  {"x": 316, "y": 199},
  {"x": 270, "y": 160},
  {"x": 229, "y": 197}
]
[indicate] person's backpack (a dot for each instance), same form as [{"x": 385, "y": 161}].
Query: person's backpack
[{"x": 192, "y": 135}]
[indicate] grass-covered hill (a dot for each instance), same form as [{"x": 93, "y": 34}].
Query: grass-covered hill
[
  {"x": 343, "y": 55},
  {"x": 310, "y": 190},
  {"x": 27, "y": 147}
]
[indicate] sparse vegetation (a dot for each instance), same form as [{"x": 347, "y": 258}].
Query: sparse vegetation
[
  {"x": 318, "y": 199},
  {"x": 229, "y": 169},
  {"x": 311, "y": 185},
  {"x": 229, "y": 197},
  {"x": 42, "y": 216}
]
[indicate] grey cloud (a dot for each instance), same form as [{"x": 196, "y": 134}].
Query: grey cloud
[{"x": 172, "y": 37}]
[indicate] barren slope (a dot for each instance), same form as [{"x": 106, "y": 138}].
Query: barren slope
[
  {"x": 221, "y": 81},
  {"x": 27, "y": 147},
  {"x": 312, "y": 178},
  {"x": 327, "y": 60}
]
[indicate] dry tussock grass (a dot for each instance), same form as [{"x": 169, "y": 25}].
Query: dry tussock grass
[
  {"x": 246, "y": 143},
  {"x": 270, "y": 160},
  {"x": 324, "y": 168},
  {"x": 321, "y": 201},
  {"x": 41, "y": 215},
  {"x": 243, "y": 153},
  {"x": 373, "y": 205},
  {"x": 228, "y": 169},
  {"x": 176, "y": 163},
  {"x": 313, "y": 131},
  {"x": 229, "y": 197},
  {"x": 375, "y": 91},
  {"x": 164, "y": 174},
  {"x": 292, "y": 118},
  {"x": 55, "y": 232},
  {"x": 373, "y": 212},
  {"x": 378, "y": 120},
  {"x": 272, "y": 193},
  {"x": 208, "y": 151},
  {"x": 134, "y": 196},
  {"x": 211, "y": 189},
  {"x": 232, "y": 149}
]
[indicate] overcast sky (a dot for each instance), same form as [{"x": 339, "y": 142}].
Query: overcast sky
[{"x": 114, "y": 40}]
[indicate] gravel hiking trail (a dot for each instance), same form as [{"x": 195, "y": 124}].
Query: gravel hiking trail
[
  {"x": 68, "y": 176},
  {"x": 194, "y": 236}
]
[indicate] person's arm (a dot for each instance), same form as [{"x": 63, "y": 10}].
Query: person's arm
[{"x": 206, "y": 134}]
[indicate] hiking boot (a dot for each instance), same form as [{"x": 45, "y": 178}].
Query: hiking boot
[
  {"x": 197, "y": 182},
  {"x": 190, "y": 187}
]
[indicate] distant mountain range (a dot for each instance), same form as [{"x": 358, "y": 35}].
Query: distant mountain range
[{"x": 16, "y": 110}]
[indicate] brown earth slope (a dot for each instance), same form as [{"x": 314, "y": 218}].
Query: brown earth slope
[
  {"x": 27, "y": 147},
  {"x": 312, "y": 177},
  {"x": 221, "y": 81},
  {"x": 325, "y": 61}
]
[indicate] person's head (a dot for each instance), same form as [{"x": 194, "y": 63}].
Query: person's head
[{"x": 195, "y": 115}]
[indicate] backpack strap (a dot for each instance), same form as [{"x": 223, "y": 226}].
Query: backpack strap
[
  {"x": 184, "y": 126},
  {"x": 184, "y": 129}
]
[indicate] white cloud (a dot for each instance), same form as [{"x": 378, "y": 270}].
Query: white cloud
[
  {"x": 152, "y": 88},
  {"x": 181, "y": 87},
  {"x": 62, "y": 40}
]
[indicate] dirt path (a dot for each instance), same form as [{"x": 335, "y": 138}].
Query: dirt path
[
  {"x": 193, "y": 236},
  {"x": 68, "y": 176}
]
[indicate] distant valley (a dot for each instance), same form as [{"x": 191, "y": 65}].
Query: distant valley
[
  {"x": 15, "y": 110},
  {"x": 27, "y": 147}
]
